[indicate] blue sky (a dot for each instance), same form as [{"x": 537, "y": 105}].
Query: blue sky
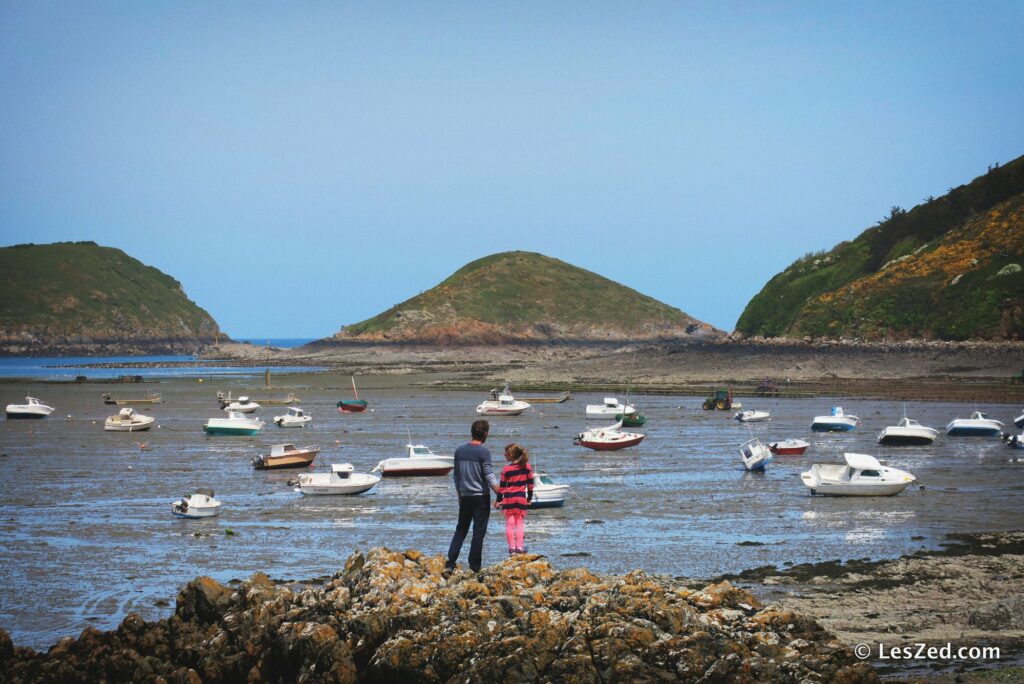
[{"x": 300, "y": 166}]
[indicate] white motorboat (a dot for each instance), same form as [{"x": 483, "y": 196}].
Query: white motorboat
[
  {"x": 789, "y": 447},
  {"x": 234, "y": 424},
  {"x": 286, "y": 456},
  {"x": 547, "y": 494},
  {"x": 295, "y": 417},
  {"x": 1019, "y": 421},
  {"x": 752, "y": 416},
  {"x": 907, "y": 432},
  {"x": 502, "y": 404},
  {"x": 861, "y": 475},
  {"x": 341, "y": 480},
  {"x": 32, "y": 408},
  {"x": 418, "y": 460},
  {"x": 242, "y": 405},
  {"x": 837, "y": 421},
  {"x": 608, "y": 438},
  {"x": 609, "y": 409},
  {"x": 201, "y": 504},
  {"x": 755, "y": 455},
  {"x": 978, "y": 425},
  {"x": 127, "y": 420}
]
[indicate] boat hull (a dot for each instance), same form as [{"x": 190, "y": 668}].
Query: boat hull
[
  {"x": 25, "y": 415},
  {"x": 195, "y": 513},
  {"x": 611, "y": 446},
  {"x": 354, "y": 406},
  {"x": 782, "y": 450},
  {"x": 495, "y": 412},
  {"x": 829, "y": 489},
  {"x": 831, "y": 426},
  {"x": 115, "y": 427},
  {"x": 415, "y": 471},
  {"x": 230, "y": 431},
  {"x": 547, "y": 503},
  {"x": 905, "y": 440},
  {"x": 968, "y": 431}
]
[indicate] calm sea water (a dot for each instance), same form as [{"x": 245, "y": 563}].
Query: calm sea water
[
  {"x": 87, "y": 534},
  {"x": 68, "y": 367}
]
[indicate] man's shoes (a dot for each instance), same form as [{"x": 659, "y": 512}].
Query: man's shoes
[{"x": 449, "y": 568}]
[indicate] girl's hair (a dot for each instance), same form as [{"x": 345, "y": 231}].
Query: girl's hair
[{"x": 520, "y": 456}]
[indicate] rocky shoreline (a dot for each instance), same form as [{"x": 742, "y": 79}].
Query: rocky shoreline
[{"x": 393, "y": 616}]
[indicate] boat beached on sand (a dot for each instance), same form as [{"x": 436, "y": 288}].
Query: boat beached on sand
[
  {"x": 789, "y": 447},
  {"x": 356, "y": 405},
  {"x": 609, "y": 409},
  {"x": 295, "y": 417},
  {"x": 127, "y": 420},
  {"x": 502, "y": 404},
  {"x": 32, "y": 408},
  {"x": 547, "y": 494},
  {"x": 150, "y": 398},
  {"x": 837, "y": 421},
  {"x": 752, "y": 416},
  {"x": 286, "y": 456},
  {"x": 907, "y": 432},
  {"x": 755, "y": 455},
  {"x": 608, "y": 438},
  {"x": 978, "y": 425},
  {"x": 341, "y": 480},
  {"x": 419, "y": 460},
  {"x": 201, "y": 504},
  {"x": 861, "y": 475},
  {"x": 234, "y": 424},
  {"x": 243, "y": 405}
]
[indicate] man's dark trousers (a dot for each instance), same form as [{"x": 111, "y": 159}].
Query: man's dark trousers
[{"x": 475, "y": 509}]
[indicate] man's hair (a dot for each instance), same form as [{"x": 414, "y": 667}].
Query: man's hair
[{"x": 480, "y": 429}]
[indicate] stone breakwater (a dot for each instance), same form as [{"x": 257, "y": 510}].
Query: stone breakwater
[{"x": 392, "y": 616}]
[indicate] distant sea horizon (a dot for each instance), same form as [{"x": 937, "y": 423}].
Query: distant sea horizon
[{"x": 282, "y": 342}]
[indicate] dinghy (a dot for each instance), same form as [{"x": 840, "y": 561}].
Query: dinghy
[
  {"x": 286, "y": 456},
  {"x": 862, "y": 475},
  {"x": 752, "y": 416},
  {"x": 789, "y": 447}
]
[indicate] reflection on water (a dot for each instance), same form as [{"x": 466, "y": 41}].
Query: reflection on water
[{"x": 87, "y": 534}]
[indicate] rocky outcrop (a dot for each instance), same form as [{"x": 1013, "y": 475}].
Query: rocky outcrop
[{"x": 391, "y": 616}]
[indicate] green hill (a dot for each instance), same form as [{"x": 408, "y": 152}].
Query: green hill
[
  {"x": 524, "y": 296},
  {"x": 946, "y": 269},
  {"x": 82, "y": 298}
]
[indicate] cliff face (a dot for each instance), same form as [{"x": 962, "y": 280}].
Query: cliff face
[
  {"x": 949, "y": 269},
  {"x": 80, "y": 298},
  {"x": 522, "y": 297},
  {"x": 393, "y": 617}
]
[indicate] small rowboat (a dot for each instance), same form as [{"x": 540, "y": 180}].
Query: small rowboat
[
  {"x": 789, "y": 447},
  {"x": 631, "y": 419},
  {"x": 150, "y": 398},
  {"x": 548, "y": 400}
]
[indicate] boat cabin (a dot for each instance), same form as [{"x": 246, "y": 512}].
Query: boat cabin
[
  {"x": 611, "y": 402},
  {"x": 342, "y": 471},
  {"x": 281, "y": 449}
]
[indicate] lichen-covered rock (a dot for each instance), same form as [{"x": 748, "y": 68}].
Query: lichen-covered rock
[{"x": 392, "y": 616}]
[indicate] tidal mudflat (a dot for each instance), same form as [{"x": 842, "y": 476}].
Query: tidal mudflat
[{"x": 88, "y": 535}]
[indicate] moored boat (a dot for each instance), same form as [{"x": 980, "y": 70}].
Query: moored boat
[
  {"x": 861, "y": 475},
  {"x": 502, "y": 404},
  {"x": 608, "y": 438},
  {"x": 294, "y": 417},
  {"x": 419, "y": 460},
  {"x": 1014, "y": 441},
  {"x": 286, "y": 456},
  {"x": 340, "y": 480},
  {"x": 356, "y": 405},
  {"x": 631, "y": 419},
  {"x": 1019, "y": 421},
  {"x": 127, "y": 420},
  {"x": 150, "y": 398},
  {"x": 235, "y": 424},
  {"x": 564, "y": 397},
  {"x": 32, "y": 408},
  {"x": 752, "y": 416},
  {"x": 789, "y": 447},
  {"x": 609, "y": 409},
  {"x": 978, "y": 425},
  {"x": 547, "y": 494},
  {"x": 837, "y": 421},
  {"x": 907, "y": 433},
  {"x": 200, "y": 504},
  {"x": 755, "y": 455},
  {"x": 243, "y": 405}
]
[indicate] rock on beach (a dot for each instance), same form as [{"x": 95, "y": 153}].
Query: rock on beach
[{"x": 392, "y": 616}]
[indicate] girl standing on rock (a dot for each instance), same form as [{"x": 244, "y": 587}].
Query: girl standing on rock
[{"x": 514, "y": 496}]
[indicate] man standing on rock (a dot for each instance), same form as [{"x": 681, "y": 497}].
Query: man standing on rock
[{"x": 473, "y": 475}]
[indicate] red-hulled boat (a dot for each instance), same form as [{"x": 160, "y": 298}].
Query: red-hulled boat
[
  {"x": 789, "y": 447},
  {"x": 608, "y": 438}
]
